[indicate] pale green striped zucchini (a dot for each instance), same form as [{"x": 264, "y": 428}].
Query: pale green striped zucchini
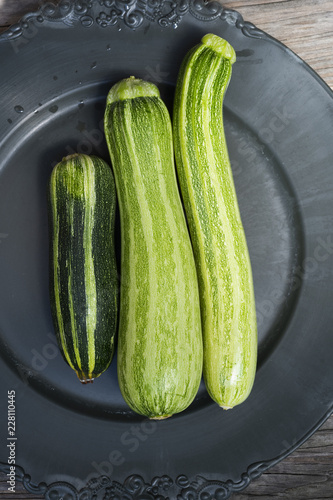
[
  {"x": 160, "y": 340},
  {"x": 83, "y": 272},
  {"x": 220, "y": 248}
]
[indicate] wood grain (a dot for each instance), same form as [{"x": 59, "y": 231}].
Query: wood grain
[{"x": 306, "y": 26}]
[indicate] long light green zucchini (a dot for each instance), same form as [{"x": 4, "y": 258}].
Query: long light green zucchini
[
  {"x": 83, "y": 273},
  {"x": 160, "y": 340},
  {"x": 211, "y": 207}
]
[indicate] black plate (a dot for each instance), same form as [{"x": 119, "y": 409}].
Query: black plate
[{"x": 56, "y": 68}]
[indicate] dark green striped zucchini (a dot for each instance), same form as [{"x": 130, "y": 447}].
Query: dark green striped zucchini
[
  {"x": 83, "y": 274},
  {"x": 211, "y": 207},
  {"x": 160, "y": 340}
]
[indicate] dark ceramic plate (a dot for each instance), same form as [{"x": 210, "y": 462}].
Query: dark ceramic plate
[{"x": 77, "y": 441}]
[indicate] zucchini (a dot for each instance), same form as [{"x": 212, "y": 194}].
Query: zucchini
[
  {"x": 83, "y": 271},
  {"x": 218, "y": 238},
  {"x": 159, "y": 341}
]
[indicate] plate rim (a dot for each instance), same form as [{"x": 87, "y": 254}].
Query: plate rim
[{"x": 133, "y": 13}]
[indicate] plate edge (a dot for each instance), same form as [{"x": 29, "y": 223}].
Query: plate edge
[
  {"x": 132, "y": 13},
  {"x": 135, "y": 14},
  {"x": 135, "y": 487},
  {"x": 200, "y": 10}
]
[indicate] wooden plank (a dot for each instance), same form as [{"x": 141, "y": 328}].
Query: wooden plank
[
  {"x": 306, "y": 26},
  {"x": 11, "y": 11},
  {"x": 232, "y": 4},
  {"x": 307, "y": 474}
]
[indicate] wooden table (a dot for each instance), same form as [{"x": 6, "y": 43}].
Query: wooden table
[{"x": 306, "y": 26}]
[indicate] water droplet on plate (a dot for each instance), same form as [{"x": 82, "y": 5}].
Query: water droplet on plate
[
  {"x": 93, "y": 66},
  {"x": 18, "y": 109},
  {"x": 9, "y": 120},
  {"x": 108, "y": 47},
  {"x": 81, "y": 104},
  {"x": 53, "y": 109},
  {"x": 55, "y": 77}
]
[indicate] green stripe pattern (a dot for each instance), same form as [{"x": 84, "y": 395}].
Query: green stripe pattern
[
  {"x": 160, "y": 341},
  {"x": 83, "y": 272},
  {"x": 218, "y": 238}
]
